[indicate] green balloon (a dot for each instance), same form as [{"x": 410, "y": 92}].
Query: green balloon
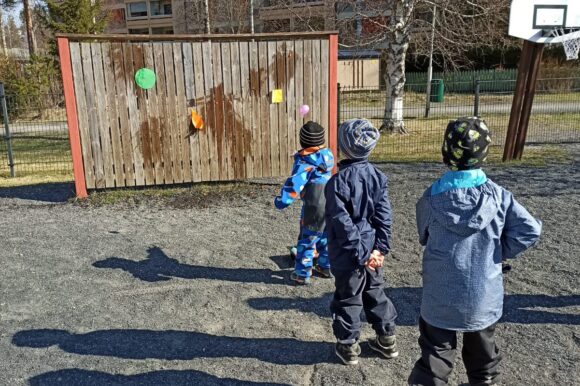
[{"x": 145, "y": 78}]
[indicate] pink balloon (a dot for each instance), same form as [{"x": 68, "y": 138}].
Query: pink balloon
[{"x": 304, "y": 109}]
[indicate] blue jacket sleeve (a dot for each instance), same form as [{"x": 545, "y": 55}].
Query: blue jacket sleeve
[
  {"x": 383, "y": 220},
  {"x": 422, "y": 215},
  {"x": 294, "y": 184},
  {"x": 521, "y": 230},
  {"x": 339, "y": 223}
]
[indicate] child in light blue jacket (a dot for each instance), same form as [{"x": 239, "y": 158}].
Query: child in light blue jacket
[{"x": 468, "y": 225}]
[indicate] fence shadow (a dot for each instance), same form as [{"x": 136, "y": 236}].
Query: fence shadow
[
  {"x": 176, "y": 345},
  {"x": 518, "y": 308},
  {"x": 69, "y": 377},
  {"x": 51, "y": 193},
  {"x": 159, "y": 267}
]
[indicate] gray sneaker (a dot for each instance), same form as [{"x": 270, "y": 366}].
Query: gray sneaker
[
  {"x": 348, "y": 353},
  {"x": 385, "y": 345}
]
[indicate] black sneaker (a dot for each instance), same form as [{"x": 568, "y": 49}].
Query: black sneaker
[
  {"x": 348, "y": 353},
  {"x": 300, "y": 280},
  {"x": 323, "y": 272},
  {"x": 385, "y": 345}
]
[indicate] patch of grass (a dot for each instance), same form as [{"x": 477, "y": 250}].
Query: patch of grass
[
  {"x": 34, "y": 179},
  {"x": 374, "y": 98},
  {"x": 38, "y": 157},
  {"x": 193, "y": 196}
]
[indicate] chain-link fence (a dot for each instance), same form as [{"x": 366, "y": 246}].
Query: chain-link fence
[
  {"x": 555, "y": 115},
  {"x": 34, "y": 135}
]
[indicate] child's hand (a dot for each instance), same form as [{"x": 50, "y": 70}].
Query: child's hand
[{"x": 375, "y": 260}]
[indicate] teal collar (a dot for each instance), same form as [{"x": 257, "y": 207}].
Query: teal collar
[{"x": 462, "y": 179}]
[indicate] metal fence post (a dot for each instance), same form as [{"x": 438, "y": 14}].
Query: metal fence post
[
  {"x": 7, "y": 135},
  {"x": 476, "y": 101}
]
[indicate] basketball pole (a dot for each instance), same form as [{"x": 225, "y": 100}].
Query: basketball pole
[{"x": 528, "y": 70}]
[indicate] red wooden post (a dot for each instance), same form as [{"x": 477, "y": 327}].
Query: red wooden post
[
  {"x": 71, "y": 116},
  {"x": 333, "y": 95}
]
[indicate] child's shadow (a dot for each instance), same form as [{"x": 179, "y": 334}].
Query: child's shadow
[{"x": 159, "y": 267}]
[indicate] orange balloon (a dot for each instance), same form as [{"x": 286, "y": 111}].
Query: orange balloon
[{"x": 197, "y": 120}]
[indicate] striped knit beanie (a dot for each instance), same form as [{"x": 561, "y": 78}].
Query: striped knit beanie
[
  {"x": 466, "y": 144},
  {"x": 357, "y": 138},
  {"x": 311, "y": 134}
]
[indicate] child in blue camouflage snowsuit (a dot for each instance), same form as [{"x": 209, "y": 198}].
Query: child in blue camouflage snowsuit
[{"x": 312, "y": 169}]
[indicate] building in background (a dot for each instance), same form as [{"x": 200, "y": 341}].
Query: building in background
[{"x": 140, "y": 16}]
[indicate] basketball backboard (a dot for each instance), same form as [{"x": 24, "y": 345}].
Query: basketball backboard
[{"x": 544, "y": 21}]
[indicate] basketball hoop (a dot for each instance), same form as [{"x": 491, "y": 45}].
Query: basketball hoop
[{"x": 571, "y": 43}]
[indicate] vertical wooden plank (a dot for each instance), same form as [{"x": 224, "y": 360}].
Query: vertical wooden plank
[
  {"x": 333, "y": 95},
  {"x": 256, "y": 121},
  {"x": 164, "y": 125},
  {"x": 154, "y": 119},
  {"x": 112, "y": 114},
  {"x": 83, "y": 118},
  {"x": 292, "y": 105},
  {"x": 265, "y": 108},
  {"x": 201, "y": 106},
  {"x": 143, "y": 119},
  {"x": 171, "y": 99},
  {"x": 282, "y": 109},
  {"x": 222, "y": 79},
  {"x": 181, "y": 110},
  {"x": 223, "y": 75},
  {"x": 123, "y": 111},
  {"x": 71, "y": 115},
  {"x": 299, "y": 76},
  {"x": 307, "y": 86},
  {"x": 94, "y": 134},
  {"x": 133, "y": 114},
  {"x": 193, "y": 136},
  {"x": 324, "y": 79},
  {"x": 316, "y": 79},
  {"x": 274, "y": 124},
  {"x": 208, "y": 72},
  {"x": 246, "y": 112},
  {"x": 102, "y": 115},
  {"x": 237, "y": 114}
]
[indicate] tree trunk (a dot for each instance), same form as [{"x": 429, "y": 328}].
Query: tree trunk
[
  {"x": 29, "y": 29},
  {"x": 206, "y": 9},
  {"x": 397, "y": 39},
  {"x": 3, "y": 37}
]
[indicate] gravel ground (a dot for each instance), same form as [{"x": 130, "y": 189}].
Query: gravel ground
[{"x": 193, "y": 289}]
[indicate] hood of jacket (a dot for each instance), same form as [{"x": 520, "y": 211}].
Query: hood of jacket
[
  {"x": 466, "y": 211},
  {"x": 317, "y": 156}
]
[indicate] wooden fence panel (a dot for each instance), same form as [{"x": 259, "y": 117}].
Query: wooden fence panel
[{"x": 136, "y": 137}]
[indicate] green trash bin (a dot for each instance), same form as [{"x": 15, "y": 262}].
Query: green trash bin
[{"x": 437, "y": 90}]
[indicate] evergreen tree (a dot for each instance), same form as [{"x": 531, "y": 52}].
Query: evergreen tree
[
  {"x": 13, "y": 36},
  {"x": 75, "y": 16}
]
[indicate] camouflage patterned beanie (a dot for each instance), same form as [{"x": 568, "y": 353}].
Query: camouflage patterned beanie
[{"x": 466, "y": 144}]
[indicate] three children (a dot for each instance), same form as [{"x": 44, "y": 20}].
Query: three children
[{"x": 466, "y": 222}]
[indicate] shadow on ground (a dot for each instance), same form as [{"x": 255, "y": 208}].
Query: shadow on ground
[
  {"x": 159, "y": 267},
  {"x": 523, "y": 309},
  {"x": 51, "y": 193},
  {"x": 167, "y": 377},
  {"x": 176, "y": 345}
]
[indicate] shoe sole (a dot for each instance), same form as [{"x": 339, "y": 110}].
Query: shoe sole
[
  {"x": 321, "y": 275},
  {"x": 388, "y": 356},
  {"x": 345, "y": 361}
]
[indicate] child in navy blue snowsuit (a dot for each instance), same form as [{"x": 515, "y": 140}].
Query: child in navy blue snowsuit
[
  {"x": 358, "y": 223},
  {"x": 312, "y": 169},
  {"x": 468, "y": 225}
]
